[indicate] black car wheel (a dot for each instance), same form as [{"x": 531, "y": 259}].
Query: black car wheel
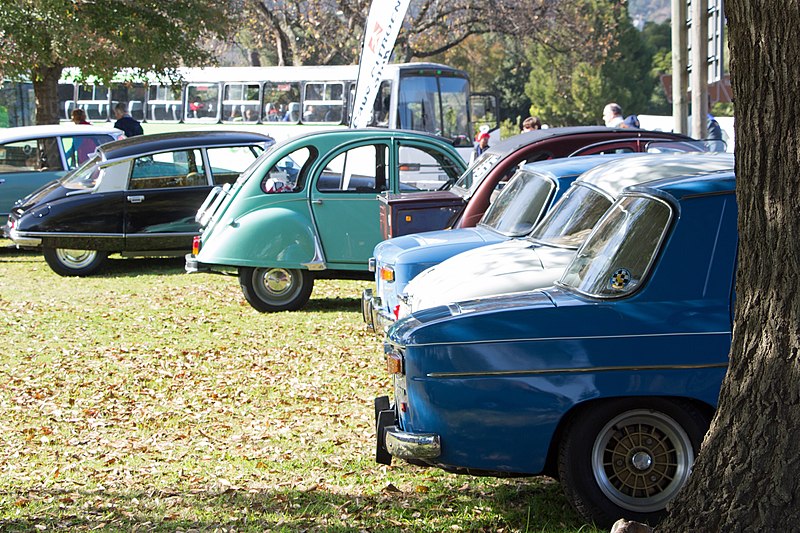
[
  {"x": 68, "y": 262},
  {"x": 276, "y": 289},
  {"x": 629, "y": 458}
]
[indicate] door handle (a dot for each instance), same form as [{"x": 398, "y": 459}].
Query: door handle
[
  {"x": 317, "y": 202},
  {"x": 2, "y": 181},
  {"x": 136, "y": 199}
]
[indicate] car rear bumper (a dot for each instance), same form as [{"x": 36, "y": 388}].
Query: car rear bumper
[
  {"x": 193, "y": 265},
  {"x": 391, "y": 441},
  {"x": 21, "y": 239}
]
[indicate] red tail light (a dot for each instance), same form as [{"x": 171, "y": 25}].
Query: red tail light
[
  {"x": 396, "y": 312},
  {"x": 196, "y": 245}
]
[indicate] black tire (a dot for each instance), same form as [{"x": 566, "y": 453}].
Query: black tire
[
  {"x": 69, "y": 262},
  {"x": 628, "y": 458},
  {"x": 276, "y": 289}
]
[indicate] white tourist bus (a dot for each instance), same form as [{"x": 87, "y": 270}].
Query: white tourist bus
[{"x": 285, "y": 101}]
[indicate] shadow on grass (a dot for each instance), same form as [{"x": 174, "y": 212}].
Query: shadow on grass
[
  {"x": 523, "y": 506},
  {"x": 327, "y": 305}
]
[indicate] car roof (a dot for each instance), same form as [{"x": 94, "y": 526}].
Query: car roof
[
  {"x": 360, "y": 133},
  {"x": 615, "y": 175},
  {"x": 54, "y": 130},
  {"x": 512, "y": 144},
  {"x": 680, "y": 187},
  {"x": 564, "y": 166},
  {"x": 142, "y": 144}
]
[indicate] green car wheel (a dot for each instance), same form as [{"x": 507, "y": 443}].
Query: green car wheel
[{"x": 276, "y": 289}]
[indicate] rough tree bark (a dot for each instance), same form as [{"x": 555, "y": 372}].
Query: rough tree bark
[
  {"x": 747, "y": 476},
  {"x": 45, "y": 87}
]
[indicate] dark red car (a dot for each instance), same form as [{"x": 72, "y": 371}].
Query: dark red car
[{"x": 465, "y": 201}]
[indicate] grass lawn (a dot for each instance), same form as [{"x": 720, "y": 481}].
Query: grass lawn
[{"x": 146, "y": 399}]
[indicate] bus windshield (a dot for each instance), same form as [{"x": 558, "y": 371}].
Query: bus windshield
[{"x": 437, "y": 105}]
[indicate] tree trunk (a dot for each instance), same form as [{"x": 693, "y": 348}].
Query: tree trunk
[
  {"x": 45, "y": 89},
  {"x": 747, "y": 476}
]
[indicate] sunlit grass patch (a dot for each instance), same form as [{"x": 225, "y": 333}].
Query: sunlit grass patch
[{"x": 146, "y": 399}]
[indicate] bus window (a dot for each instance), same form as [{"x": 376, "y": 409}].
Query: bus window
[
  {"x": 66, "y": 100},
  {"x": 282, "y": 102},
  {"x": 132, "y": 95},
  {"x": 419, "y": 104},
  {"x": 381, "y": 108},
  {"x": 323, "y": 102},
  {"x": 241, "y": 102},
  {"x": 202, "y": 102},
  {"x": 455, "y": 103},
  {"x": 94, "y": 100},
  {"x": 164, "y": 102}
]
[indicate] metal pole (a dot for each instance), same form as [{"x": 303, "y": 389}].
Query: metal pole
[
  {"x": 680, "y": 60},
  {"x": 699, "y": 68}
]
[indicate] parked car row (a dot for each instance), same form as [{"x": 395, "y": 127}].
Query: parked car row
[{"x": 570, "y": 316}]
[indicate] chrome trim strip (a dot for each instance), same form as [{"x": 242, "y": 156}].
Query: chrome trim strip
[
  {"x": 81, "y": 235},
  {"x": 547, "y": 371},
  {"x": 587, "y": 337},
  {"x": 162, "y": 234}
]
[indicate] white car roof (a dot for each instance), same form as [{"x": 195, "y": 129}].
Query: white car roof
[{"x": 54, "y": 130}]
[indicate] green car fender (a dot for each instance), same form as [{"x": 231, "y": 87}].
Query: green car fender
[{"x": 272, "y": 237}]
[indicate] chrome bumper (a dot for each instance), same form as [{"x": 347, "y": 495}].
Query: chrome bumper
[
  {"x": 424, "y": 446},
  {"x": 22, "y": 240},
  {"x": 193, "y": 266},
  {"x": 393, "y": 442},
  {"x": 375, "y": 316}
]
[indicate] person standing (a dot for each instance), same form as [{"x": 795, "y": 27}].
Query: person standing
[
  {"x": 482, "y": 146},
  {"x": 79, "y": 117},
  {"x": 612, "y": 115},
  {"x": 125, "y": 122}
]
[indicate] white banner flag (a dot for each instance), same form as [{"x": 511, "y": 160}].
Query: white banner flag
[{"x": 383, "y": 25}]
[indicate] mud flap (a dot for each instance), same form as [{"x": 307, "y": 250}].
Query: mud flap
[{"x": 384, "y": 417}]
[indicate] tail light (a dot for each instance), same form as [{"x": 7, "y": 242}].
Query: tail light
[{"x": 196, "y": 243}]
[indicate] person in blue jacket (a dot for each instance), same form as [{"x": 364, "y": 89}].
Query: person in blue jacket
[{"x": 126, "y": 122}]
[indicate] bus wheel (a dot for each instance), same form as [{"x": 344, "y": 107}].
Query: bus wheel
[{"x": 276, "y": 289}]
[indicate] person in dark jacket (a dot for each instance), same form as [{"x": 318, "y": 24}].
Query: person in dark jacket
[{"x": 126, "y": 122}]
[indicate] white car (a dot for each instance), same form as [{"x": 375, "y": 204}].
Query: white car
[{"x": 539, "y": 259}]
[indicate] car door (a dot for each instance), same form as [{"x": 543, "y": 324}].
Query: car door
[
  {"x": 344, "y": 202},
  {"x": 163, "y": 194},
  {"x": 24, "y": 167}
]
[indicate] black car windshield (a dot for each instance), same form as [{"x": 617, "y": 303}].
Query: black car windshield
[
  {"x": 616, "y": 257},
  {"x": 520, "y": 204},
  {"x": 85, "y": 177},
  {"x": 571, "y": 220},
  {"x": 475, "y": 174}
]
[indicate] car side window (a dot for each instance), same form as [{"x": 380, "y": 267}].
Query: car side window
[
  {"x": 30, "y": 155},
  {"x": 227, "y": 162},
  {"x": 182, "y": 168},
  {"x": 424, "y": 169},
  {"x": 288, "y": 174},
  {"x": 79, "y": 148},
  {"x": 362, "y": 169}
]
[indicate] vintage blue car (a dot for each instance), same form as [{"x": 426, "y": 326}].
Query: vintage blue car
[
  {"x": 538, "y": 258},
  {"x": 607, "y": 380},
  {"x": 517, "y": 209}
]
